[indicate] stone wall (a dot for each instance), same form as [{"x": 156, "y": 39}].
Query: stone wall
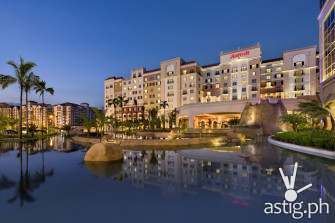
[{"x": 265, "y": 114}]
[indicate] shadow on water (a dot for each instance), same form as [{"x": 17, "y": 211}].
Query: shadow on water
[{"x": 28, "y": 182}]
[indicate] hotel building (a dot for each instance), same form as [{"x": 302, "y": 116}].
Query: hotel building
[
  {"x": 221, "y": 89},
  {"x": 327, "y": 52},
  {"x": 70, "y": 114}
]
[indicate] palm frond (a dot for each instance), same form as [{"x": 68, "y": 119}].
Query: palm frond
[
  {"x": 6, "y": 80},
  {"x": 50, "y": 90}
]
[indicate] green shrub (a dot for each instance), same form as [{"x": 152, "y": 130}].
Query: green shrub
[{"x": 309, "y": 137}]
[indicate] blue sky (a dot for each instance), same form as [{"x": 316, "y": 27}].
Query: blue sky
[{"x": 78, "y": 43}]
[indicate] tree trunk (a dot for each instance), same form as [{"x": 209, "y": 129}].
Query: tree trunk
[
  {"x": 42, "y": 114},
  {"x": 20, "y": 114},
  {"x": 27, "y": 111},
  {"x": 164, "y": 120},
  {"x": 333, "y": 122}
]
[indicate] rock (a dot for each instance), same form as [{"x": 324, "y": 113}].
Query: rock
[
  {"x": 103, "y": 153},
  {"x": 265, "y": 114}
]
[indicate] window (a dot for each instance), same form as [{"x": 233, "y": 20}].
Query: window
[
  {"x": 254, "y": 95},
  {"x": 254, "y": 88},
  {"x": 268, "y": 70},
  {"x": 253, "y": 73},
  {"x": 234, "y": 83},
  {"x": 217, "y": 85},
  {"x": 235, "y": 69},
  {"x": 268, "y": 77},
  {"x": 244, "y": 89},
  {"x": 234, "y": 98},
  {"x": 244, "y": 68},
  {"x": 254, "y": 81},
  {"x": 225, "y": 84},
  {"x": 234, "y": 90}
]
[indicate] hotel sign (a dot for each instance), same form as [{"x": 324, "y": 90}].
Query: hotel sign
[{"x": 239, "y": 54}]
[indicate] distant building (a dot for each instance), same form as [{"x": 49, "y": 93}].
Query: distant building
[
  {"x": 71, "y": 114},
  {"x": 35, "y": 113},
  {"x": 327, "y": 52}
]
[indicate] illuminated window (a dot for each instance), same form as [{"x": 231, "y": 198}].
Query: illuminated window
[
  {"x": 217, "y": 85},
  {"x": 184, "y": 71},
  {"x": 268, "y": 77},
  {"x": 269, "y": 70}
]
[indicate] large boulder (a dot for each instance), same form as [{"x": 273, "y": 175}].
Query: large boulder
[
  {"x": 265, "y": 114},
  {"x": 101, "y": 152}
]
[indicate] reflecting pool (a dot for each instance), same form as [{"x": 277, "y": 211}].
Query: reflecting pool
[{"x": 50, "y": 183}]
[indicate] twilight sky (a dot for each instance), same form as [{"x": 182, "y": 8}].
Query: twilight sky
[{"x": 78, "y": 43}]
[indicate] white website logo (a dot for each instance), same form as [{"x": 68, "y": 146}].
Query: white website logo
[
  {"x": 291, "y": 195},
  {"x": 297, "y": 210}
]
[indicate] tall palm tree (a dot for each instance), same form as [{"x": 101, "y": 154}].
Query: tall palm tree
[
  {"x": 41, "y": 88},
  {"x": 29, "y": 83},
  {"x": 115, "y": 102},
  {"x": 315, "y": 109},
  {"x": 135, "y": 103},
  {"x": 122, "y": 102},
  {"x": 21, "y": 70},
  {"x": 164, "y": 105}
]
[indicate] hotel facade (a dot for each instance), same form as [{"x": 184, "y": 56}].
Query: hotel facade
[
  {"x": 221, "y": 89},
  {"x": 327, "y": 52}
]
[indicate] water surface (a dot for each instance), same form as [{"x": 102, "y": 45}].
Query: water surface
[{"x": 50, "y": 183}]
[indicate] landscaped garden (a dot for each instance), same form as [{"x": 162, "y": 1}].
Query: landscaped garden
[{"x": 312, "y": 125}]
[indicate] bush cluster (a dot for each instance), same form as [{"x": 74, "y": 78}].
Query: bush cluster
[{"x": 313, "y": 137}]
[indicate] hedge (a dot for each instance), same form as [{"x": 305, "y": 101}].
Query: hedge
[{"x": 313, "y": 137}]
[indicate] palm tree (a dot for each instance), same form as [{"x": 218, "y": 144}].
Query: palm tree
[
  {"x": 135, "y": 103},
  {"x": 316, "y": 110},
  {"x": 29, "y": 83},
  {"x": 41, "y": 88},
  {"x": 164, "y": 105},
  {"x": 122, "y": 102},
  {"x": 21, "y": 70},
  {"x": 100, "y": 121},
  {"x": 115, "y": 102}
]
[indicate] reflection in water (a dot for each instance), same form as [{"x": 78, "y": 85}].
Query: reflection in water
[
  {"x": 226, "y": 177},
  {"x": 243, "y": 176},
  {"x": 28, "y": 182},
  {"x": 58, "y": 143}
]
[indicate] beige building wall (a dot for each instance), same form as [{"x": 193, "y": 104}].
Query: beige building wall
[
  {"x": 327, "y": 53},
  {"x": 299, "y": 69}
]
